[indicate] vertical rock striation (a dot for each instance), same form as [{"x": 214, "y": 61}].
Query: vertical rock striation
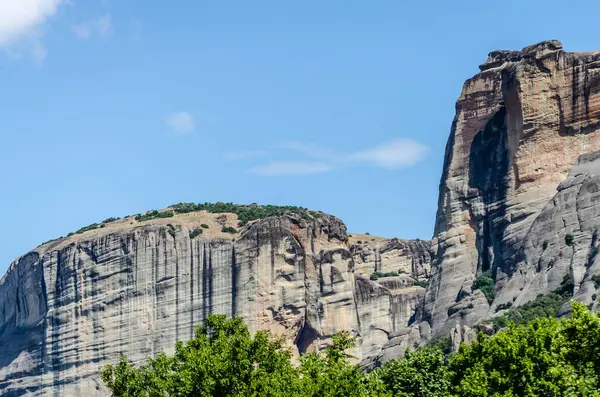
[
  {"x": 520, "y": 126},
  {"x": 76, "y": 304}
]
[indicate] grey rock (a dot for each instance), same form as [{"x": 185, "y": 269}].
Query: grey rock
[{"x": 76, "y": 304}]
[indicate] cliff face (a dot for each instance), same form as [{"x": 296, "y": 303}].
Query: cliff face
[
  {"x": 521, "y": 125},
  {"x": 519, "y": 198},
  {"x": 73, "y": 305}
]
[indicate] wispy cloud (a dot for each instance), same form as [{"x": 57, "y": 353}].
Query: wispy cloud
[
  {"x": 400, "y": 153},
  {"x": 246, "y": 154},
  {"x": 278, "y": 168},
  {"x": 101, "y": 27},
  {"x": 181, "y": 123},
  {"x": 21, "y": 25},
  {"x": 310, "y": 150},
  {"x": 396, "y": 154}
]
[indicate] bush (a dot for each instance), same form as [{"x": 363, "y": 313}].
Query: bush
[
  {"x": 153, "y": 215},
  {"x": 84, "y": 229},
  {"x": 596, "y": 280},
  {"x": 421, "y": 283},
  {"x": 443, "y": 343},
  {"x": 503, "y": 306},
  {"x": 569, "y": 239},
  {"x": 171, "y": 230},
  {"x": 377, "y": 275},
  {"x": 566, "y": 287},
  {"x": 228, "y": 229},
  {"x": 316, "y": 214},
  {"x": 204, "y": 226},
  {"x": 541, "y": 307},
  {"x": 485, "y": 283},
  {"x": 245, "y": 213},
  {"x": 195, "y": 232}
]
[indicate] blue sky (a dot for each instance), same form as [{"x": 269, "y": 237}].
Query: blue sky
[{"x": 113, "y": 107}]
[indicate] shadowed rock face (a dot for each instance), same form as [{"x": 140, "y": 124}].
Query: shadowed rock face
[
  {"x": 519, "y": 196},
  {"x": 521, "y": 124},
  {"x": 76, "y": 304}
]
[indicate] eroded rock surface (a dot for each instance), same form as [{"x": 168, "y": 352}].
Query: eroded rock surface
[
  {"x": 519, "y": 198},
  {"x": 521, "y": 124},
  {"x": 75, "y": 304}
]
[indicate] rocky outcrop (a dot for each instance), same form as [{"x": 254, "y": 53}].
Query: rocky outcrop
[
  {"x": 75, "y": 304},
  {"x": 520, "y": 126},
  {"x": 562, "y": 243},
  {"x": 519, "y": 199}
]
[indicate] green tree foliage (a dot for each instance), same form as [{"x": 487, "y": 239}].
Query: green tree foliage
[
  {"x": 376, "y": 275},
  {"x": 543, "y": 306},
  {"x": 331, "y": 375},
  {"x": 245, "y": 213},
  {"x": 547, "y": 357},
  {"x": 194, "y": 233},
  {"x": 485, "y": 283},
  {"x": 224, "y": 360},
  {"x": 596, "y": 280},
  {"x": 423, "y": 373},
  {"x": 154, "y": 215}
]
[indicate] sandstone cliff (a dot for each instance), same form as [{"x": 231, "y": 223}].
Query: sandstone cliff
[
  {"x": 519, "y": 198},
  {"x": 521, "y": 125},
  {"x": 131, "y": 287}
]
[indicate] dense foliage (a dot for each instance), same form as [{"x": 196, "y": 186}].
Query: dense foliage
[
  {"x": 228, "y": 229},
  {"x": 546, "y": 357},
  {"x": 245, "y": 213},
  {"x": 543, "y": 306},
  {"x": 224, "y": 360},
  {"x": 485, "y": 283},
  {"x": 421, "y": 283},
  {"x": 194, "y": 233},
  {"x": 376, "y": 275},
  {"x": 154, "y": 215}
]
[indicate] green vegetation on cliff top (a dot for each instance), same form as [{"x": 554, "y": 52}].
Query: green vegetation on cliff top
[{"x": 245, "y": 214}]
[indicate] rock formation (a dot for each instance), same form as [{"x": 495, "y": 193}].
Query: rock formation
[
  {"x": 75, "y": 304},
  {"x": 521, "y": 124},
  {"x": 519, "y": 199}
]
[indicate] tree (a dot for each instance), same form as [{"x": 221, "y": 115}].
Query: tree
[
  {"x": 332, "y": 375},
  {"x": 423, "y": 373},
  {"x": 547, "y": 357},
  {"x": 224, "y": 360},
  {"x": 221, "y": 360}
]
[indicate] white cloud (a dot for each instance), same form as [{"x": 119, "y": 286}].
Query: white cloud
[
  {"x": 396, "y": 154},
  {"x": 246, "y": 154},
  {"x": 400, "y": 153},
  {"x": 310, "y": 150},
  {"x": 279, "y": 168},
  {"x": 20, "y": 17},
  {"x": 181, "y": 123},
  {"x": 101, "y": 27},
  {"x": 20, "y": 25}
]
